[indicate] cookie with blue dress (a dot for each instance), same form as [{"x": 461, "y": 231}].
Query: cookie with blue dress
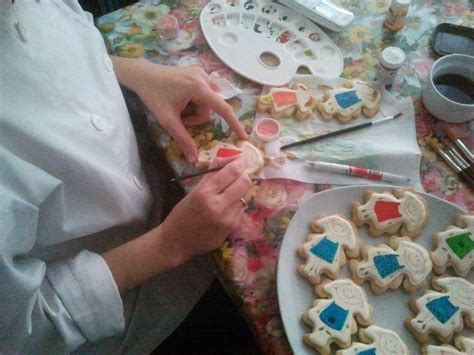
[
  {"x": 444, "y": 311},
  {"x": 336, "y": 315},
  {"x": 377, "y": 341},
  {"x": 455, "y": 246},
  {"x": 464, "y": 346},
  {"x": 402, "y": 262},
  {"x": 325, "y": 250},
  {"x": 403, "y": 212}
]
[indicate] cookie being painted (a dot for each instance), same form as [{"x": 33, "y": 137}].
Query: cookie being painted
[
  {"x": 252, "y": 155},
  {"x": 455, "y": 246},
  {"x": 403, "y": 211},
  {"x": 377, "y": 341},
  {"x": 349, "y": 102},
  {"x": 387, "y": 266},
  {"x": 464, "y": 346},
  {"x": 324, "y": 252},
  {"x": 335, "y": 319},
  {"x": 298, "y": 101},
  {"x": 441, "y": 313}
]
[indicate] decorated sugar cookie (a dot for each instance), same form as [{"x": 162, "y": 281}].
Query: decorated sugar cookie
[
  {"x": 324, "y": 251},
  {"x": 387, "y": 266},
  {"x": 441, "y": 313},
  {"x": 335, "y": 319},
  {"x": 377, "y": 341},
  {"x": 464, "y": 346},
  {"x": 350, "y": 101},
  {"x": 298, "y": 101},
  {"x": 253, "y": 155},
  {"x": 404, "y": 211},
  {"x": 455, "y": 246}
]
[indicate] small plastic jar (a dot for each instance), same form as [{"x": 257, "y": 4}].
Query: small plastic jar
[
  {"x": 391, "y": 59},
  {"x": 167, "y": 27},
  {"x": 397, "y": 12},
  {"x": 266, "y": 129}
]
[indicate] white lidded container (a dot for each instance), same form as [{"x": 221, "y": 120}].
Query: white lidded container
[{"x": 391, "y": 59}]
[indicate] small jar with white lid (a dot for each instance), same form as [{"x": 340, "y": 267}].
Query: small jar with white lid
[{"x": 391, "y": 59}]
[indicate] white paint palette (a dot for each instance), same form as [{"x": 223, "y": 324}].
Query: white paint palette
[{"x": 267, "y": 42}]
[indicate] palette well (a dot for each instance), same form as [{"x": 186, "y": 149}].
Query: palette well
[{"x": 268, "y": 43}]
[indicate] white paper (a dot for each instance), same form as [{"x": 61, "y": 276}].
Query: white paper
[
  {"x": 388, "y": 147},
  {"x": 227, "y": 89}
]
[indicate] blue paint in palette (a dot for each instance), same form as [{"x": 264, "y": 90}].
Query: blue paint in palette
[
  {"x": 334, "y": 316},
  {"x": 387, "y": 265},
  {"x": 347, "y": 99},
  {"x": 371, "y": 351},
  {"x": 442, "y": 308},
  {"x": 325, "y": 249}
]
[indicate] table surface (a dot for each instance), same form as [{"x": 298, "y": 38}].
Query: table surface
[{"x": 248, "y": 260}]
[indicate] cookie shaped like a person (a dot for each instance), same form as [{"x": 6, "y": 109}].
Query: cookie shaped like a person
[
  {"x": 388, "y": 266},
  {"x": 403, "y": 212},
  {"x": 336, "y": 318},
  {"x": 349, "y": 102},
  {"x": 377, "y": 341},
  {"x": 297, "y": 102},
  {"x": 324, "y": 252},
  {"x": 443, "y": 313},
  {"x": 455, "y": 246},
  {"x": 253, "y": 156},
  {"x": 464, "y": 346}
]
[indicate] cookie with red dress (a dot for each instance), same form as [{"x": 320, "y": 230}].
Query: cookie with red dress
[{"x": 404, "y": 212}]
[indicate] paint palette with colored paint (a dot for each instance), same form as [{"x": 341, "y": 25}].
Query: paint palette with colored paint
[
  {"x": 390, "y": 309},
  {"x": 266, "y": 42}
]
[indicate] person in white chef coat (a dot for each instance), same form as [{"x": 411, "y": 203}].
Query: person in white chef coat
[{"x": 79, "y": 271}]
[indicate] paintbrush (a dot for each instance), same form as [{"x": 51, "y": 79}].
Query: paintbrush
[
  {"x": 457, "y": 157},
  {"x": 463, "y": 175},
  {"x": 203, "y": 172},
  {"x": 340, "y": 131},
  {"x": 467, "y": 153}
]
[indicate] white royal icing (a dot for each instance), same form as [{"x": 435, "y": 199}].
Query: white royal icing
[
  {"x": 457, "y": 300},
  {"x": 321, "y": 247},
  {"x": 411, "y": 258},
  {"x": 411, "y": 210},
  {"x": 383, "y": 342},
  {"x": 464, "y": 259},
  {"x": 346, "y": 300},
  {"x": 465, "y": 346}
]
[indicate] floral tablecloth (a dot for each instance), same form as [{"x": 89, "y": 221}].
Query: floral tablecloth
[{"x": 247, "y": 262}]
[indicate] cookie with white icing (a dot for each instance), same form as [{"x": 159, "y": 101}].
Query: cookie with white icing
[
  {"x": 325, "y": 250},
  {"x": 298, "y": 102},
  {"x": 388, "y": 266},
  {"x": 455, "y": 246},
  {"x": 336, "y": 317},
  {"x": 403, "y": 212},
  {"x": 464, "y": 346},
  {"x": 443, "y": 313},
  {"x": 346, "y": 103},
  {"x": 253, "y": 155},
  {"x": 378, "y": 341}
]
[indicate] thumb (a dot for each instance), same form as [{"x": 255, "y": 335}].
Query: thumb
[{"x": 171, "y": 121}]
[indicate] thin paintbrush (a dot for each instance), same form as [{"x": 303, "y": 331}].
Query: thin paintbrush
[
  {"x": 183, "y": 177},
  {"x": 458, "y": 158},
  {"x": 340, "y": 131},
  {"x": 467, "y": 153}
]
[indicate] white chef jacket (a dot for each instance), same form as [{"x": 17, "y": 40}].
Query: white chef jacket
[{"x": 71, "y": 186}]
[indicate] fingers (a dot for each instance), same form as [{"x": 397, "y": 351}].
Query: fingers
[
  {"x": 207, "y": 97},
  {"x": 220, "y": 180},
  {"x": 201, "y": 115},
  {"x": 173, "y": 124},
  {"x": 238, "y": 189}
]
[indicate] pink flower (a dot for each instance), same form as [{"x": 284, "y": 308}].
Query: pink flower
[
  {"x": 263, "y": 248},
  {"x": 431, "y": 180},
  {"x": 250, "y": 228},
  {"x": 255, "y": 263},
  {"x": 424, "y": 123},
  {"x": 296, "y": 192},
  {"x": 210, "y": 62},
  {"x": 423, "y": 68},
  {"x": 271, "y": 195},
  {"x": 180, "y": 13}
]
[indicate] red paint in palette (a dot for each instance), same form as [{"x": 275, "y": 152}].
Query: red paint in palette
[{"x": 386, "y": 210}]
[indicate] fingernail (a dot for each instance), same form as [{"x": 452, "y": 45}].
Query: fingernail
[{"x": 192, "y": 158}]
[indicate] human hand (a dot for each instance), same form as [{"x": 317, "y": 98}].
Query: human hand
[
  {"x": 208, "y": 214},
  {"x": 183, "y": 96}
]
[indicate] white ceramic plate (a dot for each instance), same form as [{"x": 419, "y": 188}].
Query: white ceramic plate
[{"x": 296, "y": 294}]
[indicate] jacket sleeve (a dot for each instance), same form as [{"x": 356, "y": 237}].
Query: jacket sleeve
[{"x": 58, "y": 305}]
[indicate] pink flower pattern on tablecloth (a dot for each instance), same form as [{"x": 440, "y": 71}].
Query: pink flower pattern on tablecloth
[{"x": 248, "y": 261}]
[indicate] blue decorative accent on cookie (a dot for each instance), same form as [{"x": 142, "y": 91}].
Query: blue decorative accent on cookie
[
  {"x": 442, "y": 308},
  {"x": 347, "y": 99},
  {"x": 387, "y": 264},
  {"x": 334, "y": 316},
  {"x": 325, "y": 250},
  {"x": 372, "y": 351}
]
